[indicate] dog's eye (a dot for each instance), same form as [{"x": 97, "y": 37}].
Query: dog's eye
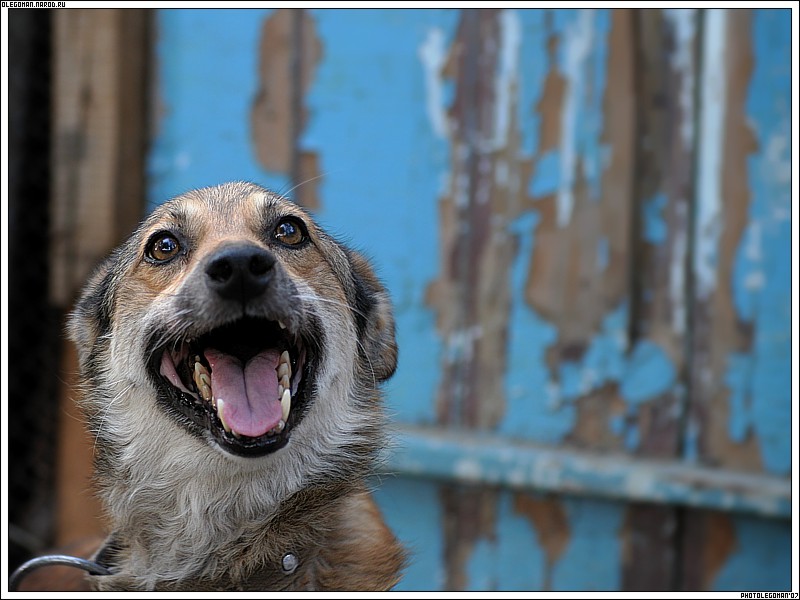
[
  {"x": 290, "y": 231},
  {"x": 163, "y": 248}
]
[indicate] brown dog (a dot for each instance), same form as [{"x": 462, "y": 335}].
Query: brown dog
[{"x": 231, "y": 353}]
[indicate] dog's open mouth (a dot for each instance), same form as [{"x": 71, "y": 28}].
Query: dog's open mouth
[{"x": 244, "y": 383}]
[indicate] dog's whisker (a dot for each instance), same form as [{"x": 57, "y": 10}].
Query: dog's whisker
[
  {"x": 315, "y": 298},
  {"x": 282, "y": 192}
]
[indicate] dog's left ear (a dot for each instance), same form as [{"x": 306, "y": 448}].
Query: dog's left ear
[
  {"x": 374, "y": 319},
  {"x": 91, "y": 316}
]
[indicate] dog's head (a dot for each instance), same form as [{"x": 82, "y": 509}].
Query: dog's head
[{"x": 232, "y": 316}]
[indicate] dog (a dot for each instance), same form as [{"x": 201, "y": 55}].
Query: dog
[{"x": 231, "y": 354}]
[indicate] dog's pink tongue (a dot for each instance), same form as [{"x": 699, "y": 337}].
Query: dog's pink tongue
[{"x": 251, "y": 406}]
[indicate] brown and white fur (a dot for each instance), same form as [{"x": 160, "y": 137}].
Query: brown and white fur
[{"x": 190, "y": 508}]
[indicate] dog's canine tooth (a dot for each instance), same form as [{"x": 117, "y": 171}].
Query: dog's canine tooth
[
  {"x": 281, "y": 325},
  {"x": 286, "y": 404},
  {"x": 220, "y": 404}
]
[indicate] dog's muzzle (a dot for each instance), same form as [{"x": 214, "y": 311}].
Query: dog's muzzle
[{"x": 246, "y": 381}]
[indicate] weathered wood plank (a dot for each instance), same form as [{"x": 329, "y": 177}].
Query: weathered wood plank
[
  {"x": 473, "y": 457},
  {"x": 99, "y": 138},
  {"x": 666, "y": 63},
  {"x": 740, "y": 378},
  {"x": 289, "y": 51}
]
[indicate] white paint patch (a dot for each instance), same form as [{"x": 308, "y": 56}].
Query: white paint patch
[
  {"x": 432, "y": 54},
  {"x": 468, "y": 469},
  {"x": 683, "y": 22},
  {"x": 754, "y": 281},
  {"x": 461, "y": 344},
  {"x": 752, "y": 249},
  {"x": 777, "y": 158},
  {"x": 577, "y": 50},
  {"x": 501, "y": 173},
  {"x": 711, "y": 145},
  {"x": 641, "y": 484},
  {"x": 677, "y": 278},
  {"x": 505, "y": 82}
]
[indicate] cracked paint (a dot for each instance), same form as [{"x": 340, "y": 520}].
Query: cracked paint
[
  {"x": 759, "y": 380},
  {"x": 489, "y": 163}
]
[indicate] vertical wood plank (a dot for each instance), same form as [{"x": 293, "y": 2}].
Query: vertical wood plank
[
  {"x": 99, "y": 139},
  {"x": 723, "y": 195},
  {"x": 471, "y": 319},
  {"x": 289, "y": 52},
  {"x": 740, "y": 376},
  {"x": 666, "y": 76}
]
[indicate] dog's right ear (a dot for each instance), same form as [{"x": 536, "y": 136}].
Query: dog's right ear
[
  {"x": 375, "y": 318},
  {"x": 91, "y": 316}
]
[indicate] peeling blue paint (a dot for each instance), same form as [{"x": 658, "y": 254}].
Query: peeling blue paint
[
  {"x": 762, "y": 559},
  {"x": 583, "y": 56},
  {"x": 382, "y": 164},
  {"x": 738, "y": 378},
  {"x": 205, "y": 138},
  {"x": 648, "y": 374},
  {"x": 603, "y": 254},
  {"x": 412, "y": 509},
  {"x": 591, "y": 560},
  {"x": 691, "y": 442},
  {"x": 760, "y": 380},
  {"x": 642, "y": 375},
  {"x": 655, "y": 226},
  {"x": 512, "y": 560},
  {"x": 632, "y": 437},
  {"x": 547, "y": 175},
  {"x": 616, "y": 425},
  {"x": 530, "y": 393},
  {"x": 534, "y": 66}
]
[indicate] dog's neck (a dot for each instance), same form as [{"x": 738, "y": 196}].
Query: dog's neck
[
  {"x": 203, "y": 520},
  {"x": 313, "y": 540}
]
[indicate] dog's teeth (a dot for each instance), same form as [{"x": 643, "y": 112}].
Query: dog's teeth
[
  {"x": 286, "y": 404},
  {"x": 285, "y": 382},
  {"x": 220, "y": 405},
  {"x": 281, "y": 325},
  {"x": 202, "y": 379},
  {"x": 283, "y": 370},
  {"x": 278, "y": 428}
]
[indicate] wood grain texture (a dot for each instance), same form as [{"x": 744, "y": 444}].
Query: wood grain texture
[{"x": 99, "y": 140}]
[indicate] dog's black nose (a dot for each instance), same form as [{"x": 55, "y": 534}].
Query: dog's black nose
[{"x": 240, "y": 272}]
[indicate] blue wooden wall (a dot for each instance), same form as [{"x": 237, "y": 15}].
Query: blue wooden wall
[{"x": 583, "y": 217}]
